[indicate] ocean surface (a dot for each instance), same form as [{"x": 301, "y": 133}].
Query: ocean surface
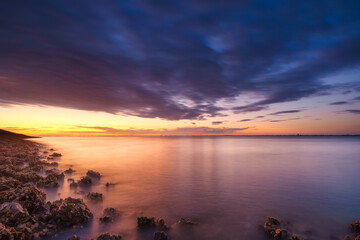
[{"x": 227, "y": 184}]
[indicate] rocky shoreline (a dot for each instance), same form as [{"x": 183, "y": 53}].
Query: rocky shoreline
[{"x": 26, "y": 166}]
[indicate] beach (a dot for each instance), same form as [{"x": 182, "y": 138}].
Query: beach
[{"x": 112, "y": 188}]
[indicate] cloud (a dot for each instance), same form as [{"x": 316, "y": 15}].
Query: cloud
[
  {"x": 170, "y": 59},
  {"x": 217, "y": 123},
  {"x": 338, "y": 103},
  {"x": 354, "y": 111},
  {"x": 176, "y": 131},
  {"x": 285, "y": 112},
  {"x": 282, "y": 120},
  {"x": 245, "y": 120},
  {"x": 357, "y": 98}
]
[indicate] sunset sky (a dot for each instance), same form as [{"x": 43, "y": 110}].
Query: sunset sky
[{"x": 180, "y": 67}]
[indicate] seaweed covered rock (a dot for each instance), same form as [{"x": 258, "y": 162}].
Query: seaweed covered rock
[
  {"x": 13, "y": 214},
  {"x": 29, "y": 196},
  {"x": 69, "y": 171},
  {"x": 109, "y": 236},
  {"x": 93, "y": 174},
  {"x": 56, "y": 154},
  {"x": 68, "y": 212},
  {"x": 95, "y": 196},
  {"x": 110, "y": 215},
  {"x": 160, "y": 235},
  {"x": 355, "y": 226}
]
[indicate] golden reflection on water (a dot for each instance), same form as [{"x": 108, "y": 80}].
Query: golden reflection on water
[{"x": 228, "y": 184}]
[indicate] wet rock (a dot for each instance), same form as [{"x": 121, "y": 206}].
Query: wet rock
[
  {"x": 95, "y": 196},
  {"x": 110, "y": 215},
  {"x": 56, "y": 154},
  {"x": 108, "y": 236},
  {"x": 51, "y": 149},
  {"x": 85, "y": 181},
  {"x": 69, "y": 171},
  {"x": 75, "y": 237},
  {"x": 160, "y": 235},
  {"x": 73, "y": 185},
  {"x": 109, "y": 184},
  {"x": 51, "y": 180},
  {"x": 68, "y": 212},
  {"x": 93, "y": 174},
  {"x": 188, "y": 222},
  {"x": 29, "y": 196},
  {"x": 13, "y": 214}
]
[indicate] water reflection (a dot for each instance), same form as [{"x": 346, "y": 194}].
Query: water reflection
[{"x": 228, "y": 184}]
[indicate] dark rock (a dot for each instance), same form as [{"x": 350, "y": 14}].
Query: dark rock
[
  {"x": 69, "y": 171},
  {"x": 93, "y": 174},
  {"x": 355, "y": 226},
  {"x": 95, "y": 196},
  {"x": 160, "y": 235},
  {"x": 145, "y": 222},
  {"x": 108, "y": 236},
  {"x": 7, "y": 183},
  {"x": 68, "y": 212},
  {"x": 275, "y": 231},
  {"x": 56, "y": 154},
  {"x": 73, "y": 185},
  {"x": 10, "y": 233},
  {"x": 28, "y": 196},
  {"x": 85, "y": 181},
  {"x": 110, "y": 215},
  {"x": 13, "y": 214}
]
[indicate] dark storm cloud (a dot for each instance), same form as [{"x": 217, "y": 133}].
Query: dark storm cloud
[
  {"x": 172, "y": 59},
  {"x": 285, "y": 112},
  {"x": 338, "y": 103}
]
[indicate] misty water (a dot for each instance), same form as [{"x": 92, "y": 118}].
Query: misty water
[{"x": 227, "y": 184}]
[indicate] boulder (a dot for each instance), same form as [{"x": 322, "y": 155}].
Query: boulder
[
  {"x": 29, "y": 196},
  {"x": 186, "y": 222},
  {"x": 68, "y": 212},
  {"x": 75, "y": 237},
  {"x": 85, "y": 181},
  {"x": 13, "y": 214}
]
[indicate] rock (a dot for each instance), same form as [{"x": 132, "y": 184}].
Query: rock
[
  {"x": 85, "y": 181},
  {"x": 74, "y": 238},
  {"x": 56, "y": 154},
  {"x": 108, "y": 236},
  {"x": 145, "y": 222},
  {"x": 183, "y": 221},
  {"x": 68, "y": 212},
  {"x": 7, "y": 183},
  {"x": 160, "y": 235},
  {"x": 95, "y": 196},
  {"x": 29, "y": 196},
  {"x": 13, "y": 214},
  {"x": 51, "y": 180},
  {"x": 93, "y": 174},
  {"x": 274, "y": 231},
  {"x": 73, "y": 185},
  {"x": 10, "y": 233},
  {"x": 110, "y": 215},
  {"x": 69, "y": 171},
  {"x": 355, "y": 226}
]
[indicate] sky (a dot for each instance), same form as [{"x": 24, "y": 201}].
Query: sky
[{"x": 191, "y": 67}]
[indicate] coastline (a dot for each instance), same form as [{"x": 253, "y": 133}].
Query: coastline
[{"x": 27, "y": 166}]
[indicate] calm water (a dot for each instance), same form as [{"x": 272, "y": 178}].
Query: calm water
[{"x": 228, "y": 184}]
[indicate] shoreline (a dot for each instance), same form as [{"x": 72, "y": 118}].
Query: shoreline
[{"x": 25, "y": 213}]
